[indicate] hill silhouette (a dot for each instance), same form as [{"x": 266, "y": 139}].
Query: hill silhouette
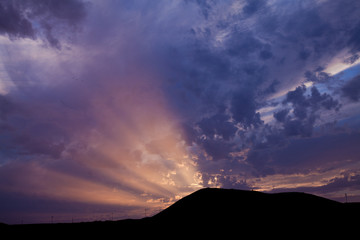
[
  {"x": 214, "y": 203},
  {"x": 213, "y": 211},
  {"x": 251, "y": 210}
]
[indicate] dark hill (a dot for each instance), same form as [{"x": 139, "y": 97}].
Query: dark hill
[
  {"x": 223, "y": 212},
  {"x": 214, "y": 202},
  {"x": 227, "y": 207}
]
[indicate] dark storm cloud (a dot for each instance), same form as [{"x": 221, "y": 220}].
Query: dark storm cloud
[
  {"x": 243, "y": 108},
  {"x": 218, "y": 124},
  {"x": 355, "y": 38},
  {"x": 347, "y": 182},
  {"x": 37, "y": 126},
  {"x": 13, "y": 22},
  {"x": 71, "y": 11},
  {"x": 314, "y": 102},
  {"x": 351, "y": 89},
  {"x": 204, "y": 5},
  {"x": 317, "y": 76},
  {"x": 304, "y": 154},
  {"x": 352, "y": 59},
  {"x": 6, "y": 107},
  {"x": 318, "y": 101},
  {"x": 217, "y": 149},
  {"x": 253, "y": 6},
  {"x": 231, "y": 63},
  {"x": 310, "y": 28},
  {"x": 242, "y": 45},
  {"x": 242, "y": 70},
  {"x": 32, "y": 19},
  {"x": 281, "y": 115},
  {"x": 305, "y": 110}
]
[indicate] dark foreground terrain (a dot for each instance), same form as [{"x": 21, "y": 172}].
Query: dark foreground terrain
[{"x": 219, "y": 212}]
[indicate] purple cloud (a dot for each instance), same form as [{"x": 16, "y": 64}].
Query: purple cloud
[{"x": 44, "y": 19}]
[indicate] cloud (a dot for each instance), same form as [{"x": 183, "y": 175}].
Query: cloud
[
  {"x": 6, "y": 107},
  {"x": 317, "y": 76},
  {"x": 299, "y": 155},
  {"x": 352, "y": 59},
  {"x": 236, "y": 66},
  {"x": 351, "y": 89},
  {"x": 281, "y": 115},
  {"x": 44, "y": 19},
  {"x": 87, "y": 120},
  {"x": 13, "y": 21},
  {"x": 243, "y": 45},
  {"x": 217, "y": 149},
  {"x": 253, "y": 6},
  {"x": 156, "y": 99},
  {"x": 218, "y": 125},
  {"x": 243, "y": 108},
  {"x": 305, "y": 109},
  {"x": 333, "y": 187}
]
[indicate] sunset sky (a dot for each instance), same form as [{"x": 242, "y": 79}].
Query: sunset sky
[{"x": 116, "y": 109}]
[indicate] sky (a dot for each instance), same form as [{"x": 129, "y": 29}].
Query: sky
[{"x": 116, "y": 109}]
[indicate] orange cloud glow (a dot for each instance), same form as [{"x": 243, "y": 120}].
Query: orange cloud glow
[{"x": 133, "y": 156}]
